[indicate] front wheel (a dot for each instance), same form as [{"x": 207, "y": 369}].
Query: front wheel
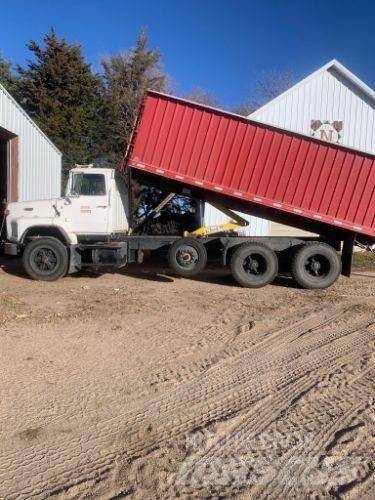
[
  {"x": 45, "y": 259},
  {"x": 316, "y": 265},
  {"x": 254, "y": 265},
  {"x": 187, "y": 257}
]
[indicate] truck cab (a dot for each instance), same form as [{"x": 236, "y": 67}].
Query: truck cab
[
  {"x": 98, "y": 202},
  {"x": 95, "y": 208}
]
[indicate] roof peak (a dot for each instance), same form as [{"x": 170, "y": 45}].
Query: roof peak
[{"x": 333, "y": 63}]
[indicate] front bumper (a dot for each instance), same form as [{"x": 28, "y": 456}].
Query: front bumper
[{"x": 11, "y": 248}]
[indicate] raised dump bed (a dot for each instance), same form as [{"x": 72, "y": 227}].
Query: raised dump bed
[{"x": 257, "y": 168}]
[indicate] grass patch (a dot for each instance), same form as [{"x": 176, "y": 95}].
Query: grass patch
[{"x": 364, "y": 260}]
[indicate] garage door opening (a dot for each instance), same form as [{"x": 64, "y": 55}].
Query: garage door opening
[
  {"x": 8, "y": 166},
  {"x": 8, "y": 171},
  {"x": 4, "y": 162}
]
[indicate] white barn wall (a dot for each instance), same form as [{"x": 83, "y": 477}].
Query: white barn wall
[
  {"x": 256, "y": 227},
  {"x": 39, "y": 161},
  {"x": 327, "y": 96}
]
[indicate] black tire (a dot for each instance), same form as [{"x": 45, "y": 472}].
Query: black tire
[
  {"x": 254, "y": 265},
  {"x": 45, "y": 259},
  {"x": 316, "y": 265},
  {"x": 187, "y": 257}
]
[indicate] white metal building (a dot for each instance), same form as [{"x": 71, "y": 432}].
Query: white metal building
[
  {"x": 331, "y": 104},
  {"x": 256, "y": 227},
  {"x": 30, "y": 165}
]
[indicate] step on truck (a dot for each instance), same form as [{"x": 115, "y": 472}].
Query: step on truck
[{"x": 225, "y": 159}]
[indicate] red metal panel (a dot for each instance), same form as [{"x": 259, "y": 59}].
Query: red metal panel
[{"x": 222, "y": 152}]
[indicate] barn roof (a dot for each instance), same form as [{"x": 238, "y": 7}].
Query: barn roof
[{"x": 335, "y": 65}]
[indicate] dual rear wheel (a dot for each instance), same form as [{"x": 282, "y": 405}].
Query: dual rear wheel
[
  {"x": 313, "y": 265},
  {"x": 254, "y": 265}
]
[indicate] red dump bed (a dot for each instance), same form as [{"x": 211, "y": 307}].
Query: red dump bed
[{"x": 225, "y": 153}]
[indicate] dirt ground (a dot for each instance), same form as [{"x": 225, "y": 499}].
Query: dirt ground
[{"x": 145, "y": 385}]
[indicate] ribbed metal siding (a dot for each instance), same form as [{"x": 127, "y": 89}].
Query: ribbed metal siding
[
  {"x": 256, "y": 227},
  {"x": 327, "y": 96},
  {"x": 221, "y": 152},
  {"x": 39, "y": 174}
]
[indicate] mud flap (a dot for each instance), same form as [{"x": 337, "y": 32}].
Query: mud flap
[
  {"x": 75, "y": 260},
  {"x": 347, "y": 255}
]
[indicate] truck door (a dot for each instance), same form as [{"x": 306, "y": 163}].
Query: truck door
[{"x": 90, "y": 203}]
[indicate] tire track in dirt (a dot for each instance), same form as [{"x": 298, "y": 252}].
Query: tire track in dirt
[
  {"x": 116, "y": 379},
  {"x": 216, "y": 405},
  {"x": 240, "y": 445},
  {"x": 276, "y": 403},
  {"x": 183, "y": 392},
  {"x": 310, "y": 451}
]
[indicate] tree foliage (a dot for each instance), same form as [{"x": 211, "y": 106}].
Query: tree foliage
[
  {"x": 7, "y": 78},
  {"x": 274, "y": 84},
  {"x": 126, "y": 77},
  {"x": 267, "y": 88},
  {"x": 61, "y": 93},
  {"x": 201, "y": 97}
]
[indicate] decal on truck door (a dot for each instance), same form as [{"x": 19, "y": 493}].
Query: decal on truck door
[{"x": 85, "y": 209}]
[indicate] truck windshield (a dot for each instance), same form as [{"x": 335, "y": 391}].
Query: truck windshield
[{"x": 88, "y": 185}]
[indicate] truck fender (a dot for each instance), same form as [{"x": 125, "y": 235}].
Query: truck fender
[{"x": 55, "y": 231}]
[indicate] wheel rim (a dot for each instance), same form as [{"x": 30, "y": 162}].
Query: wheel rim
[
  {"x": 44, "y": 260},
  {"x": 255, "y": 265},
  {"x": 187, "y": 257},
  {"x": 317, "y": 266}
]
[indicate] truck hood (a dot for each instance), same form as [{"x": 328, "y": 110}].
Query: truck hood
[{"x": 32, "y": 209}]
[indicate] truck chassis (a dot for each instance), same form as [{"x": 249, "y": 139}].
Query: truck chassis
[{"x": 254, "y": 261}]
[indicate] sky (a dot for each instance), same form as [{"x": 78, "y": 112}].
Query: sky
[{"x": 224, "y": 47}]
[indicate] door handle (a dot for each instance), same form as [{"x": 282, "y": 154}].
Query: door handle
[{"x": 101, "y": 206}]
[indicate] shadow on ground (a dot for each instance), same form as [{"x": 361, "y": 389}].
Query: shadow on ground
[{"x": 155, "y": 271}]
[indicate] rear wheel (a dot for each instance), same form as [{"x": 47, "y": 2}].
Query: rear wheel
[
  {"x": 45, "y": 259},
  {"x": 316, "y": 265},
  {"x": 187, "y": 257},
  {"x": 254, "y": 265}
]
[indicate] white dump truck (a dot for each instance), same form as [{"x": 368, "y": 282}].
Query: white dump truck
[{"x": 89, "y": 227}]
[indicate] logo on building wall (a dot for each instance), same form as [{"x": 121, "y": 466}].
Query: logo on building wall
[{"x": 326, "y": 130}]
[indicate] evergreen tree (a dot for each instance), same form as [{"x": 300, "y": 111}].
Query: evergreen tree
[
  {"x": 7, "y": 79},
  {"x": 63, "y": 96},
  {"x": 127, "y": 76}
]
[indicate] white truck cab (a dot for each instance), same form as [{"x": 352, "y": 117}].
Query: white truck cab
[
  {"x": 95, "y": 208},
  {"x": 95, "y": 205}
]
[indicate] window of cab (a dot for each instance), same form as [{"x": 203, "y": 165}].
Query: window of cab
[{"x": 88, "y": 185}]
